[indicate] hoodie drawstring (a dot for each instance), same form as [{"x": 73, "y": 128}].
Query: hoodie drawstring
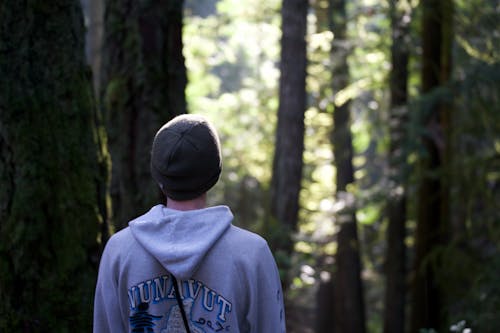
[{"x": 181, "y": 307}]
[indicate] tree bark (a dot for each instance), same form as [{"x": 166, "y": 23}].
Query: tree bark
[
  {"x": 325, "y": 320},
  {"x": 51, "y": 166},
  {"x": 289, "y": 146},
  {"x": 395, "y": 289},
  {"x": 348, "y": 305},
  {"x": 143, "y": 82}
]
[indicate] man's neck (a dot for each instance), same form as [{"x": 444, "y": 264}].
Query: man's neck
[{"x": 197, "y": 203}]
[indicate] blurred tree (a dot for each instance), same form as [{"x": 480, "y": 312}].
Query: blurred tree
[
  {"x": 341, "y": 305},
  {"x": 289, "y": 145},
  {"x": 52, "y": 170},
  {"x": 395, "y": 265},
  {"x": 143, "y": 83},
  {"x": 428, "y": 303}
]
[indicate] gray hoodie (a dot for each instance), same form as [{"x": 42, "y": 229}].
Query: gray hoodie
[{"x": 227, "y": 276}]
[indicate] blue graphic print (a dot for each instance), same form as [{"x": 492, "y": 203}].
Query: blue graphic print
[{"x": 142, "y": 320}]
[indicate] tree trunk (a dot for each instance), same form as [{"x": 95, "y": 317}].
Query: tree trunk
[
  {"x": 325, "y": 320},
  {"x": 287, "y": 163},
  {"x": 432, "y": 207},
  {"x": 348, "y": 304},
  {"x": 93, "y": 11},
  {"x": 50, "y": 170},
  {"x": 143, "y": 84},
  {"x": 395, "y": 289}
]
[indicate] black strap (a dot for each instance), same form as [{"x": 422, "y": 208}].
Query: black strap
[{"x": 181, "y": 307}]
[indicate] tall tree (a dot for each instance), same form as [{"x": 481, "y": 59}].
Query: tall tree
[
  {"x": 143, "y": 86},
  {"x": 433, "y": 206},
  {"x": 395, "y": 288},
  {"x": 289, "y": 146},
  {"x": 50, "y": 162},
  {"x": 344, "y": 312}
]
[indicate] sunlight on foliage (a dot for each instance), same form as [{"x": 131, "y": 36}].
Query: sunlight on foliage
[
  {"x": 368, "y": 214},
  {"x": 232, "y": 58},
  {"x": 317, "y": 192},
  {"x": 478, "y": 31},
  {"x": 361, "y": 136},
  {"x": 231, "y": 62}
]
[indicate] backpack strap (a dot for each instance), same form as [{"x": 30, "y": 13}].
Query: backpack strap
[{"x": 179, "y": 302}]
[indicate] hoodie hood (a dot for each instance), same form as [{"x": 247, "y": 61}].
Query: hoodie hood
[{"x": 179, "y": 240}]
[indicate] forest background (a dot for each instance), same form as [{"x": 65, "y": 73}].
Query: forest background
[{"x": 361, "y": 138}]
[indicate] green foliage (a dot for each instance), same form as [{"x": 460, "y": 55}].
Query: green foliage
[
  {"x": 467, "y": 267},
  {"x": 477, "y": 30},
  {"x": 231, "y": 60},
  {"x": 278, "y": 237},
  {"x": 476, "y": 196}
]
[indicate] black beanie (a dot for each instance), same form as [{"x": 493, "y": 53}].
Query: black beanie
[{"x": 186, "y": 157}]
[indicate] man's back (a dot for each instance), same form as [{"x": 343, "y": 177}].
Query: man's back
[{"x": 228, "y": 280}]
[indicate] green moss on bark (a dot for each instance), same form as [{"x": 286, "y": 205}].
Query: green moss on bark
[{"x": 51, "y": 172}]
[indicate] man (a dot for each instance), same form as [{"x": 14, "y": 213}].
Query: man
[{"x": 183, "y": 267}]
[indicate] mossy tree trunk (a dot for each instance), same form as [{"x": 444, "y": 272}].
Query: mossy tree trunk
[
  {"x": 143, "y": 83},
  {"x": 51, "y": 170}
]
